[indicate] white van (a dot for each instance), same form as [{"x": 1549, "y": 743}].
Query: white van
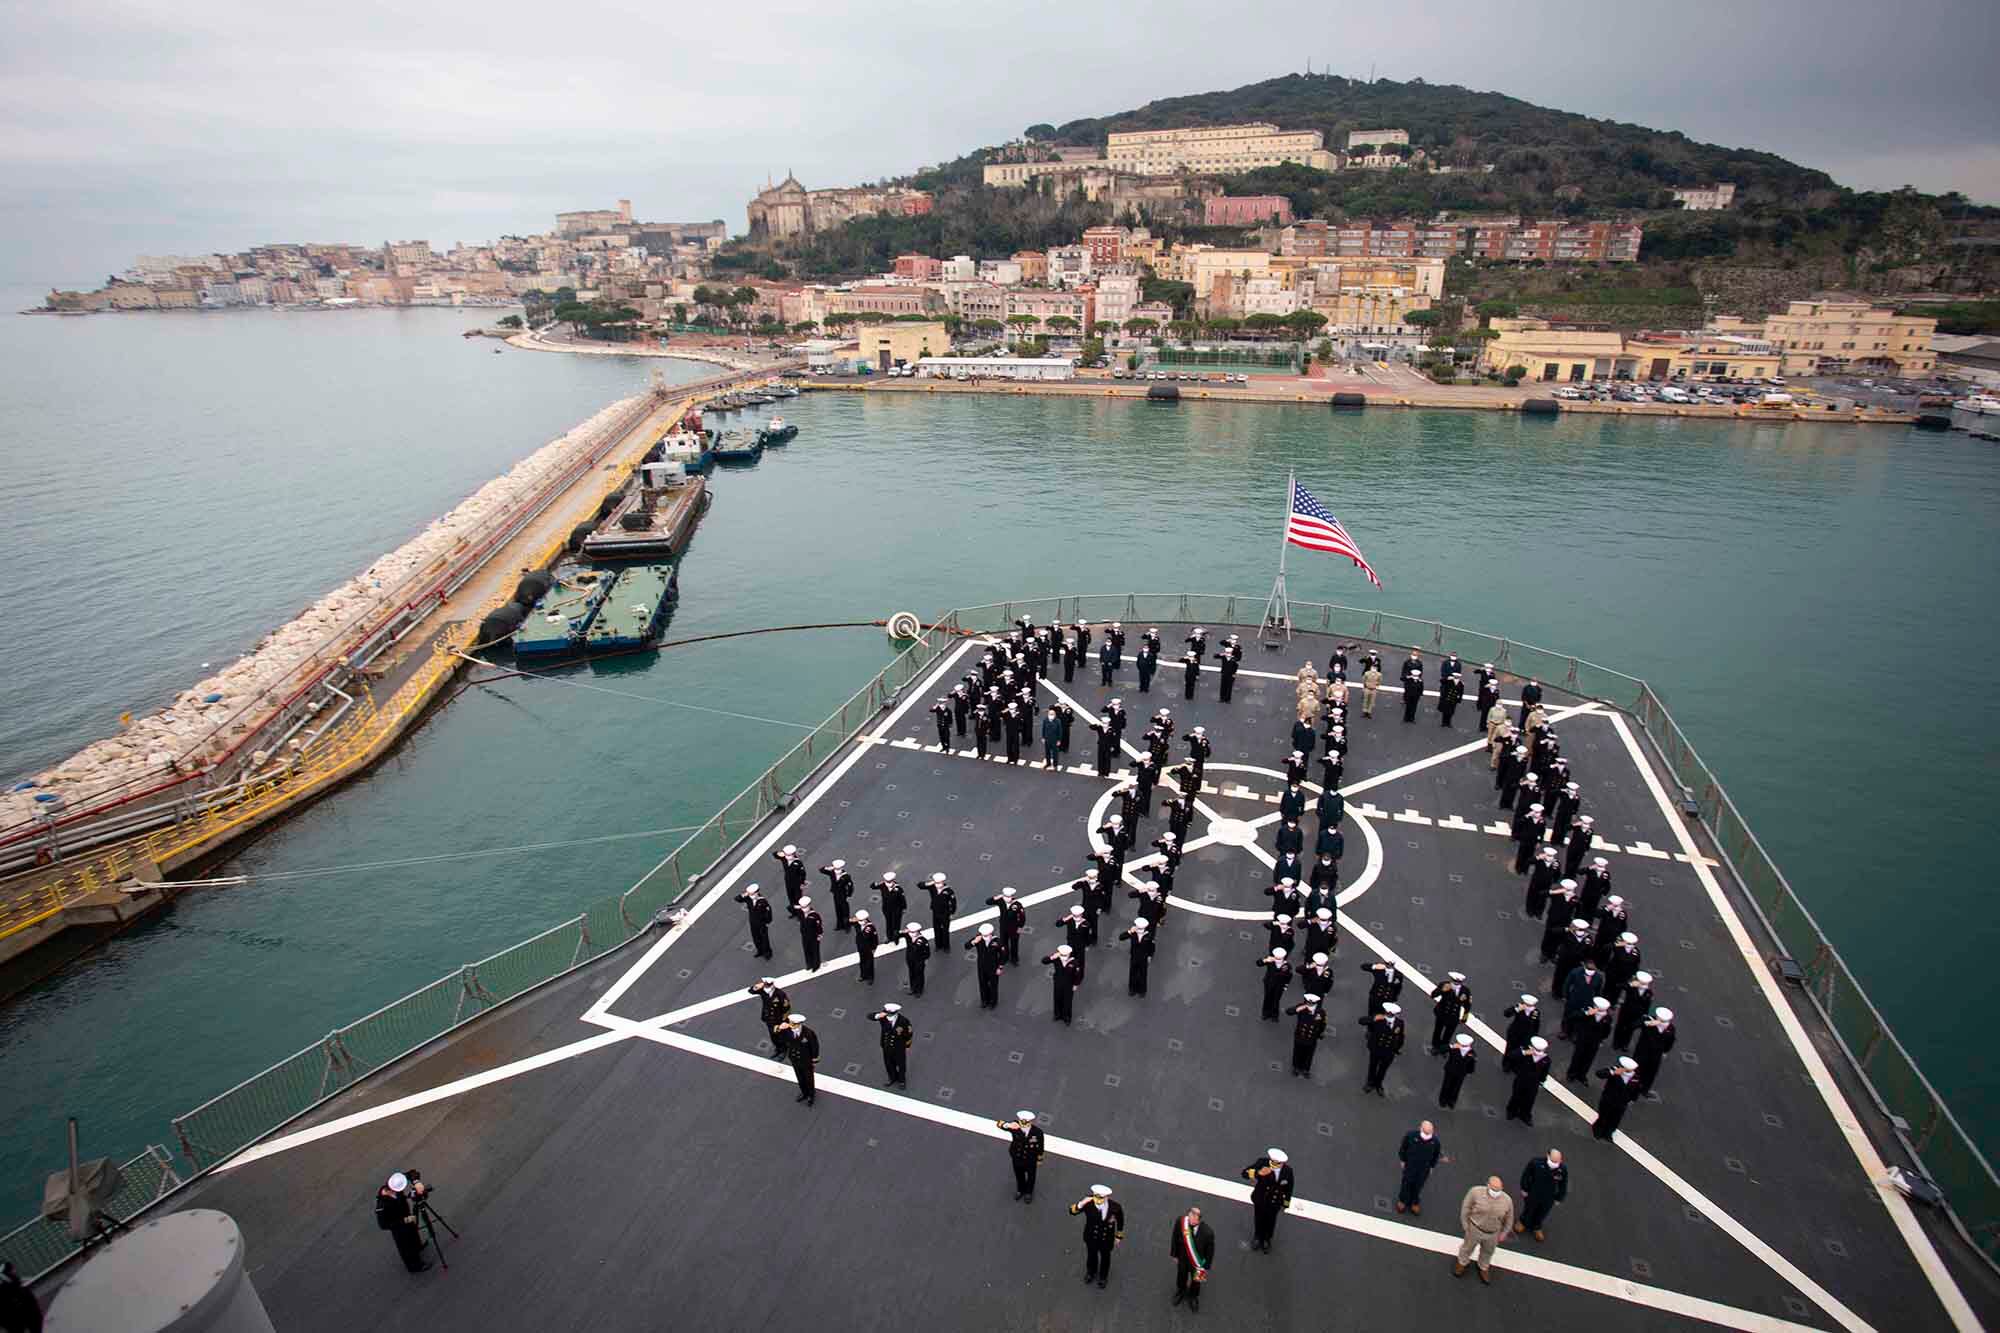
[{"x": 1670, "y": 394}]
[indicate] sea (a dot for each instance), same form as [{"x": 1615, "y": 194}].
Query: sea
[{"x": 1813, "y": 603}]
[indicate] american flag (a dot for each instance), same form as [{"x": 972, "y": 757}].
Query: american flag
[{"x": 1311, "y": 526}]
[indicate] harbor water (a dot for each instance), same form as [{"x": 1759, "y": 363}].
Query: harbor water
[{"x": 1811, "y": 602}]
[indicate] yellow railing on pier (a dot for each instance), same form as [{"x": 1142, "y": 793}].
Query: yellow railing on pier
[{"x": 332, "y": 755}]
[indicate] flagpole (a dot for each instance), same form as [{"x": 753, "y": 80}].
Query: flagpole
[{"x": 1278, "y": 608}]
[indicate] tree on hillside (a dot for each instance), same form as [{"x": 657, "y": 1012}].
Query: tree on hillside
[
  {"x": 510, "y": 321},
  {"x": 1496, "y": 309},
  {"x": 1062, "y": 323},
  {"x": 1139, "y": 328}
]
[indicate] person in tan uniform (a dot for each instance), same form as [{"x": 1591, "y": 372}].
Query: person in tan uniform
[
  {"x": 1371, "y": 680},
  {"x": 1487, "y": 1214}
]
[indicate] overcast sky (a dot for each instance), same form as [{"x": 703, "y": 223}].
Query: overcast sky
[{"x": 131, "y": 126}]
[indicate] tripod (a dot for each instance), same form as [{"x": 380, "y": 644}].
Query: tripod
[{"x": 430, "y": 1219}]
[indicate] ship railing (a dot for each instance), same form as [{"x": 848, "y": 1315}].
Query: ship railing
[
  {"x": 1933, "y": 1137},
  {"x": 38, "y": 1246},
  {"x": 223, "y": 1125}
]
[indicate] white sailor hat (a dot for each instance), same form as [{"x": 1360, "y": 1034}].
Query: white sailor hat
[
  {"x": 1627, "y": 937},
  {"x": 1025, "y": 1117},
  {"x": 1391, "y": 1008},
  {"x": 1100, "y": 1191},
  {"x": 1199, "y": 630},
  {"x": 1643, "y": 978},
  {"x": 1463, "y": 1039},
  {"x": 1232, "y": 638},
  {"x": 888, "y": 874},
  {"x": 795, "y": 1018},
  {"x": 1539, "y": 1043},
  {"x": 1289, "y": 881},
  {"x": 1007, "y": 893},
  {"x": 749, "y": 889},
  {"x": 942, "y": 699},
  {"x": 1201, "y": 731},
  {"x": 1529, "y": 1001},
  {"x": 1116, "y": 819},
  {"x": 1613, "y": 900},
  {"x": 768, "y": 981},
  {"x": 1298, "y": 754},
  {"x": 1062, "y": 950},
  {"x": 912, "y": 928},
  {"x": 1284, "y": 918},
  {"x": 1536, "y": 807},
  {"x": 892, "y": 1008},
  {"x": 1578, "y": 923},
  {"x": 837, "y": 863},
  {"x": 1118, "y": 624},
  {"x": 986, "y": 927},
  {"x": 1117, "y": 703},
  {"x": 1326, "y": 914},
  {"x": 1600, "y": 1004},
  {"x": 1278, "y": 953},
  {"x": 1627, "y": 1062},
  {"x": 1082, "y": 623},
  {"x": 1277, "y": 1156},
  {"x": 1319, "y": 960},
  {"x": 1076, "y": 911},
  {"x": 1599, "y": 862},
  {"x": 1572, "y": 788},
  {"x": 1312, "y": 999},
  {"x": 937, "y": 877},
  {"x": 1168, "y": 836},
  {"x": 1154, "y": 630},
  {"x": 1452, "y": 976},
  {"x": 1339, "y": 730},
  {"x": 790, "y": 850},
  {"x": 1090, "y": 873},
  {"x": 1569, "y": 884},
  {"x": 805, "y": 900},
  {"x": 1664, "y": 1014},
  {"x": 398, "y": 1182},
  {"x": 1138, "y": 923},
  {"x": 860, "y": 914}
]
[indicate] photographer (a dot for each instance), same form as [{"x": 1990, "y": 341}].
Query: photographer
[{"x": 396, "y": 1213}]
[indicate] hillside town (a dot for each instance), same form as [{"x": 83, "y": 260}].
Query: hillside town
[{"x": 1353, "y": 288}]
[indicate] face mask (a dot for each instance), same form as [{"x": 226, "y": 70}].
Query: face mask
[
  {"x": 1553, "y": 1162},
  {"x": 1426, "y": 1138},
  {"x": 1492, "y": 1193}
]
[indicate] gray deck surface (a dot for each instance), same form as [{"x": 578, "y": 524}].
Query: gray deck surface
[{"x": 641, "y": 1184}]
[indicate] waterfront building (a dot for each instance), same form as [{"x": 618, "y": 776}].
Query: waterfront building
[
  {"x": 973, "y": 301},
  {"x": 1835, "y": 334},
  {"x": 1044, "y": 305},
  {"x": 1041, "y": 368},
  {"x": 1550, "y": 352},
  {"x": 900, "y": 343},
  {"x": 1253, "y": 210},
  {"x": 1117, "y": 297}
]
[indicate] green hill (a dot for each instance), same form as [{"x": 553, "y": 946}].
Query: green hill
[{"x": 1797, "y": 227}]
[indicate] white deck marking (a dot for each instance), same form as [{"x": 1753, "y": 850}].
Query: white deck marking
[
  {"x": 1872, "y": 1165},
  {"x": 1685, "y": 859},
  {"x": 1454, "y": 822},
  {"x": 624, "y": 983},
  {"x": 1410, "y": 816},
  {"x": 1554, "y": 1086},
  {"x": 1344, "y": 1219},
  {"x": 300, "y": 1138}
]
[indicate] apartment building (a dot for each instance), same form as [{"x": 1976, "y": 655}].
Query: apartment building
[
  {"x": 1105, "y": 244},
  {"x": 884, "y": 300},
  {"x": 1376, "y": 138},
  {"x": 1045, "y": 305},
  {"x": 1117, "y": 297},
  {"x": 919, "y": 268},
  {"x": 1706, "y": 198},
  {"x": 1219, "y": 148}
]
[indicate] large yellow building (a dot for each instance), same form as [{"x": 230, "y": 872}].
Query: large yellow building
[
  {"x": 1227, "y": 149},
  {"x": 1830, "y": 336},
  {"x": 1569, "y": 355},
  {"x": 886, "y": 345},
  {"x": 1198, "y": 264}
]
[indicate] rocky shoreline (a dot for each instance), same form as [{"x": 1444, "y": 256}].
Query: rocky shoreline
[{"x": 203, "y": 722}]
